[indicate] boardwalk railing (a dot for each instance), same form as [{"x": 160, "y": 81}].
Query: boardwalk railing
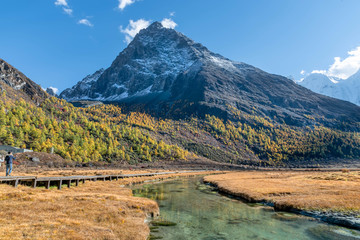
[{"x": 59, "y": 181}]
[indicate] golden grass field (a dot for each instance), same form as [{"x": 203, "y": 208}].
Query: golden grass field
[
  {"x": 94, "y": 210},
  {"x": 329, "y": 191}
]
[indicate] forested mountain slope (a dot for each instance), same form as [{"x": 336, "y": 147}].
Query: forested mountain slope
[{"x": 104, "y": 133}]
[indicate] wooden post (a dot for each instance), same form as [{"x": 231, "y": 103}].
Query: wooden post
[
  {"x": 83, "y": 180},
  {"x": 59, "y": 184},
  {"x": 16, "y": 182},
  {"x": 77, "y": 182},
  {"x": 34, "y": 183},
  {"x": 48, "y": 184},
  {"x": 69, "y": 183}
]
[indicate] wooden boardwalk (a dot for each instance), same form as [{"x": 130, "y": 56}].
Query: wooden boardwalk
[{"x": 68, "y": 180}]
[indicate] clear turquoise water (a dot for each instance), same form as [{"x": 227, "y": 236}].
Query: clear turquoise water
[{"x": 201, "y": 213}]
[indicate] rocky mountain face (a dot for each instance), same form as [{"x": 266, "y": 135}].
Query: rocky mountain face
[
  {"x": 167, "y": 74},
  {"x": 348, "y": 89},
  {"x": 82, "y": 89},
  {"x": 17, "y": 85}
]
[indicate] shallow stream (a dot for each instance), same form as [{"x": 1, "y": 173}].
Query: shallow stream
[{"x": 201, "y": 213}]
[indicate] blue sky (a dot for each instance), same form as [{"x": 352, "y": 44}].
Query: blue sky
[{"x": 58, "y": 42}]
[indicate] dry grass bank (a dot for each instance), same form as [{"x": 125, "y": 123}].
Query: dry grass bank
[
  {"x": 100, "y": 210},
  {"x": 94, "y": 210},
  {"x": 330, "y": 191}
]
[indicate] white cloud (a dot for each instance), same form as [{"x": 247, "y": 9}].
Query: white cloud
[
  {"x": 68, "y": 11},
  {"x": 347, "y": 67},
  {"x": 54, "y": 89},
  {"x": 85, "y": 22},
  {"x": 319, "y": 71},
  {"x": 134, "y": 28},
  {"x": 343, "y": 68},
  {"x": 65, "y": 6},
  {"x": 124, "y": 3},
  {"x": 302, "y": 72},
  {"x": 61, "y": 3},
  {"x": 172, "y": 14},
  {"x": 168, "y": 23}
]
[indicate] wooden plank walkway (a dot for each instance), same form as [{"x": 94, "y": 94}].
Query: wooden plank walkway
[
  {"x": 15, "y": 180},
  {"x": 68, "y": 180}
]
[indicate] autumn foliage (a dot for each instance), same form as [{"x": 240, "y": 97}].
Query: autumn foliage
[
  {"x": 80, "y": 134},
  {"x": 105, "y": 133}
]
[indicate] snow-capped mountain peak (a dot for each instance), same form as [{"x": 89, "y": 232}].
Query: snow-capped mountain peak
[
  {"x": 166, "y": 73},
  {"x": 150, "y": 64},
  {"x": 348, "y": 89},
  {"x": 317, "y": 82}
]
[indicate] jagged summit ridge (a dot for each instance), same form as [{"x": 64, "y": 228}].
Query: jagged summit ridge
[
  {"x": 157, "y": 56},
  {"x": 82, "y": 88}
]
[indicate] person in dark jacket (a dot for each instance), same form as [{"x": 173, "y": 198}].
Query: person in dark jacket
[{"x": 9, "y": 162}]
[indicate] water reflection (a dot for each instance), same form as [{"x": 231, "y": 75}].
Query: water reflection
[{"x": 201, "y": 213}]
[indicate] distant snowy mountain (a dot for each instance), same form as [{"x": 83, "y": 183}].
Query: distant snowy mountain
[
  {"x": 353, "y": 88},
  {"x": 348, "y": 90}
]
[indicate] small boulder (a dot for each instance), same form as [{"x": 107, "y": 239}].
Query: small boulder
[{"x": 35, "y": 159}]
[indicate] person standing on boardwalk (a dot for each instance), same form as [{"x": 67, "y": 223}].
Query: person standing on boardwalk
[{"x": 9, "y": 162}]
